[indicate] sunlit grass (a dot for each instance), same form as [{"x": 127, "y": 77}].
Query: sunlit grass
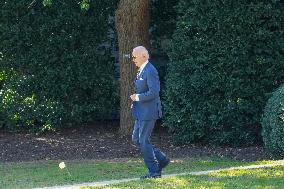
[
  {"x": 276, "y": 171},
  {"x": 272, "y": 178},
  {"x": 47, "y": 173}
]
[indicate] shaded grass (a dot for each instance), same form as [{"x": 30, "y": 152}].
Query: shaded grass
[
  {"x": 272, "y": 178},
  {"x": 47, "y": 173},
  {"x": 39, "y": 174}
]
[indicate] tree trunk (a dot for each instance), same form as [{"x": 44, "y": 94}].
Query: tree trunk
[{"x": 132, "y": 25}]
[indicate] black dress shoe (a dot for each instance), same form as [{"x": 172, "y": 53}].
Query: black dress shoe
[
  {"x": 164, "y": 163},
  {"x": 148, "y": 176}
]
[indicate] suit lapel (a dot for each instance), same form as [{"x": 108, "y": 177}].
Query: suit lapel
[{"x": 144, "y": 70}]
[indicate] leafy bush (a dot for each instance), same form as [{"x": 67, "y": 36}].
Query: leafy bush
[
  {"x": 58, "y": 63},
  {"x": 273, "y": 123},
  {"x": 225, "y": 57},
  {"x": 163, "y": 22}
]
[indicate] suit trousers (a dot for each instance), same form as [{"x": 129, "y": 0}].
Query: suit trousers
[{"x": 141, "y": 137}]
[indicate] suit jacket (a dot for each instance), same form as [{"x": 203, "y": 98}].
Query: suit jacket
[{"x": 147, "y": 85}]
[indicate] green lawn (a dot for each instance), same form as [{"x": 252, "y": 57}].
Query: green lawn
[
  {"x": 272, "y": 178},
  {"x": 47, "y": 173}
]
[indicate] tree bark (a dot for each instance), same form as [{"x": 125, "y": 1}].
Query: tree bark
[{"x": 132, "y": 25}]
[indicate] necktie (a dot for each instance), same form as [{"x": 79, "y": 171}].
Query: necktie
[{"x": 138, "y": 74}]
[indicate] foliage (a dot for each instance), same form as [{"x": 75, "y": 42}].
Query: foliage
[
  {"x": 57, "y": 63},
  {"x": 163, "y": 22},
  {"x": 273, "y": 123},
  {"x": 225, "y": 57}
]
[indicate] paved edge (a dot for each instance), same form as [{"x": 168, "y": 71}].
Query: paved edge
[{"x": 109, "y": 182}]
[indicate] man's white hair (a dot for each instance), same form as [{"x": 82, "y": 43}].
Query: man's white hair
[{"x": 142, "y": 51}]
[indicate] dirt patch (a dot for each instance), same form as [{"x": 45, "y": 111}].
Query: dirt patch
[{"x": 102, "y": 141}]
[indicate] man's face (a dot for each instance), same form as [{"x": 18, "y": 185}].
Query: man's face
[{"x": 137, "y": 58}]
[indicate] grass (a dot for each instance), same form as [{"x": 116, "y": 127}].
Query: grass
[
  {"x": 272, "y": 178},
  {"x": 47, "y": 173}
]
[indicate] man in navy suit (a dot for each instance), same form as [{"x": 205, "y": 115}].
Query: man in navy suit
[{"x": 146, "y": 109}]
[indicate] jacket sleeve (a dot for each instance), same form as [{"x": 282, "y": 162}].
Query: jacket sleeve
[{"x": 153, "y": 84}]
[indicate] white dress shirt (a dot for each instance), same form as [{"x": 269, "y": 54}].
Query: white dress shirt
[{"x": 140, "y": 71}]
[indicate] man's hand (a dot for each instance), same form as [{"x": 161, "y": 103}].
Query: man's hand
[{"x": 133, "y": 97}]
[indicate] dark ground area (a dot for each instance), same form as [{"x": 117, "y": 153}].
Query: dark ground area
[{"x": 101, "y": 141}]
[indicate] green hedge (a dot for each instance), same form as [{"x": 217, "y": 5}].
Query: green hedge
[
  {"x": 163, "y": 22},
  {"x": 57, "y": 62},
  {"x": 225, "y": 57},
  {"x": 273, "y": 123}
]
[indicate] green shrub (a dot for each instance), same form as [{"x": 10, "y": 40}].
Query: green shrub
[
  {"x": 163, "y": 22},
  {"x": 59, "y": 61},
  {"x": 225, "y": 57},
  {"x": 273, "y": 123}
]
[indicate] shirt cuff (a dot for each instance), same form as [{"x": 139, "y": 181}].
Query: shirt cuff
[{"x": 137, "y": 97}]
